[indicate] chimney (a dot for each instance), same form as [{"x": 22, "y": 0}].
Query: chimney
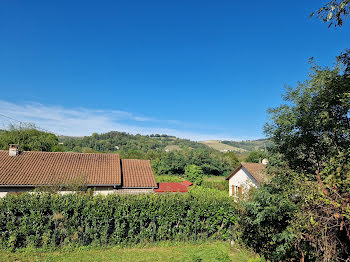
[{"x": 13, "y": 150}]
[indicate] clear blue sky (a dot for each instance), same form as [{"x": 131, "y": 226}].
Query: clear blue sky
[{"x": 195, "y": 69}]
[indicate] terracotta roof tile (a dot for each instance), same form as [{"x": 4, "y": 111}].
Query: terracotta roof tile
[
  {"x": 50, "y": 168},
  {"x": 171, "y": 187},
  {"x": 138, "y": 173}
]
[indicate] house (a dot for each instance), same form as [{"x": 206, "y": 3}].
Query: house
[
  {"x": 171, "y": 187},
  {"x": 244, "y": 177},
  {"x": 103, "y": 173}
]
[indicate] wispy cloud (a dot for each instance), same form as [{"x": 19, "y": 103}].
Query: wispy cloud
[{"x": 82, "y": 121}]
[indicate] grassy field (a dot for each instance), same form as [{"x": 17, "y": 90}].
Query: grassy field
[
  {"x": 208, "y": 251},
  {"x": 217, "y": 145}
]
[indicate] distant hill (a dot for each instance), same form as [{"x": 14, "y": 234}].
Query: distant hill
[
  {"x": 218, "y": 145},
  {"x": 120, "y": 141},
  {"x": 250, "y": 145},
  {"x": 238, "y": 147}
]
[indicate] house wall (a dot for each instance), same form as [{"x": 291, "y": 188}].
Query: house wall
[
  {"x": 5, "y": 190},
  {"x": 242, "y": 179},
  {"x": 96, "y": 190}
]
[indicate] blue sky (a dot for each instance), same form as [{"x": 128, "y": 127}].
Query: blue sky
[{"x": 195, "y": 69}]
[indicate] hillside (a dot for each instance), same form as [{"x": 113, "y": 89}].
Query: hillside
[
  {"x": 120, "y": 141},
  {"x": 218, "y": 145},
  {"x": 250, "y": 145},
  {"x": 240, "y": 147}
]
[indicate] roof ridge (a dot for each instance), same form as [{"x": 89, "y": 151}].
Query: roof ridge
[{"x": 69, "y": 152}]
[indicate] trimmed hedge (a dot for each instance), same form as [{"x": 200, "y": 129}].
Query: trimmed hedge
[{"x": 48, "y": 220}]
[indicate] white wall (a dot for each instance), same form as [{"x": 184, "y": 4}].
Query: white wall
[
  {"x": 98, "y": 190},
  {"x": 242, "y": 179}
]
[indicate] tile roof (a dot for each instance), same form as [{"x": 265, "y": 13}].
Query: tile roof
[
  {"x": 255, "y": 169},
  {"x": 32, "y": 168},
  {"x": 171, "y": 187},
  {"x": 52, "y": 168},
  {"x": 187, "y": 183},
  {"x": 137, "y": 173}
]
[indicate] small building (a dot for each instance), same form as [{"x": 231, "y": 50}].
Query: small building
[
  {"x": 65, "y": 171},
  {"x": 171, "y": 187},
  {"x": 244, "y": 177}
]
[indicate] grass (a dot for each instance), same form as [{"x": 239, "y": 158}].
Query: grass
[
  {"x": 169, "y": 178},
  {"x": 163, "y": 251},
  {"x": 172, "y": 148},
  {"x": 217, "y": 145},
  {"x": 174, "y": 178}
]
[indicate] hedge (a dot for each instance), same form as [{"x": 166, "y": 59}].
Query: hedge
[{"x": 53, "y": 220}]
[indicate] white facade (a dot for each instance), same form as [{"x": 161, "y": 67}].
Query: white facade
[
  {"x": 95, "y": 191},
  {"x": 241, "y": 182}
]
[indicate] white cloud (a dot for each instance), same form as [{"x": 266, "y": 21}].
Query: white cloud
[{"x": 82, "y": 121}]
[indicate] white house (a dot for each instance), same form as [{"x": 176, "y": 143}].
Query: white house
[{"x": 244, "y": 177}]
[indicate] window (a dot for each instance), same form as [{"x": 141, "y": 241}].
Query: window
[{"x": 237, "y": 191}]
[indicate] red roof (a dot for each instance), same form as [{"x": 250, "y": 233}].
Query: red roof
[
  {"x": 33, "y": 168},
  {"x": 187, "y": 183},
  {"x": 171, "y": 187}
]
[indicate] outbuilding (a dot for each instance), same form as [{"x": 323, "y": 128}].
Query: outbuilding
[{"x": 244, "y": 177}]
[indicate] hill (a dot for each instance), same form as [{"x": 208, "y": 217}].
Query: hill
[
  {"x": 250, "y": 145},
  {"x": 120, "y": 141},
  {"x": 238, "y": 146},
  {"x": 218, "y": 145}
]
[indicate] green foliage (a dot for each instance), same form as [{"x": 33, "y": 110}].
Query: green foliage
[
  {"x": 256, "y": 156},
  {"x": 154, "y": 148},
  {"x": 304, "y": 212},
  {"x": 126, "y": 143},
  {"x": 250, "y": 145},
  {"x": 212, "y": 162},
  {"x": 264, "y": 221},
  {"x": 334, "y": 12},
  {"x": 29, "y": 139},
  {"x": 194, "y": 174},
  {"x": 220, "y": 185},
  {"x": 314, "y": 123},
  {"x": 41, "y": 219}
]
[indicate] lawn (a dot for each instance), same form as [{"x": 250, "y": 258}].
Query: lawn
[{"x": 166, "y": 251}]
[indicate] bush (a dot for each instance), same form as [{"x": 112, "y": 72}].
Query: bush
[
  {"x": 47, "y": 220},
  {"x": 194, "y": 174}
]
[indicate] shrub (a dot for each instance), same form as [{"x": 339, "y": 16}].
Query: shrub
[
  {"x": 194, "y": 174},
  {"x": 48, "y": 220}
]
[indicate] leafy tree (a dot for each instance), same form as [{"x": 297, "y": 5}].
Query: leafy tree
[
  {"x": 29, "y": 139},
  {"x": 334, "y": 12},
  {"x": 314, "y": 123},
  {"x": 310, "y": 167},
  {"x": 255, "y": 156},
  {"x": 194, "y": 174}
]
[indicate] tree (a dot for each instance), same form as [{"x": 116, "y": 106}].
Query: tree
[
  {"x": 311, "y": 133},
  {"x": 256, "y": 156},
  {"x": 334, "y": 12},
  {"x": 194, "y": 174},
  {"x": 29, "y": 138},
  {"x": 314, "y": 123}
]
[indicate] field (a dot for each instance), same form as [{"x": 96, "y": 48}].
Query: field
[
  {"x": 217, "y": 145},
  {"x": 166, "y": 251}
]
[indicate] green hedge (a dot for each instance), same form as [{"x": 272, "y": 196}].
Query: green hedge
[{"x": 47, "y": 220}]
